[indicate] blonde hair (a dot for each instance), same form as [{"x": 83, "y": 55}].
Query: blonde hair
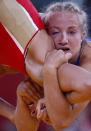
[{"x": 66, "y": 6}]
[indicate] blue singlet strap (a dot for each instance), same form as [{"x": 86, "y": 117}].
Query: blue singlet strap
[{"x": 82, "y": 46}]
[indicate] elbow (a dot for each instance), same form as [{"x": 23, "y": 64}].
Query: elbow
[
  {"x": 62, "y": 121},
  {"x": 59, "y": 125},
  {"x": 87, "y": 90}
]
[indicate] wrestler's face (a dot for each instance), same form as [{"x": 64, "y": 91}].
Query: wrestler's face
[{"x": 65, "y": 30}]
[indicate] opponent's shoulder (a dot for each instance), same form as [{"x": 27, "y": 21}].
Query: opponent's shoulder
[
  {"x": 87, "y": 50},
  {"x": 85, "y": 61},
  {"x": 88, "y": 44}
]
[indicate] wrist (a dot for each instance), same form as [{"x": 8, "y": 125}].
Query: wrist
[{"x": 49, "y": 69}]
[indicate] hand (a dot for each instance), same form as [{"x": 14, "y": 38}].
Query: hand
[
  {"x": 56, "y": 58},
  {"x": 42, "y": 111},
  {"x": 30, "y": 90},
  {"x": 30, "y": 93},
  {"x": 22, "y": 116}
]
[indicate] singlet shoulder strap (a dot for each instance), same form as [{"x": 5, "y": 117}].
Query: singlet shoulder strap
[{"x": 81, "y": 50}]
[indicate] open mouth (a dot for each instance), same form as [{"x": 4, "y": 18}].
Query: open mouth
[{"x": 65, "y": 49}]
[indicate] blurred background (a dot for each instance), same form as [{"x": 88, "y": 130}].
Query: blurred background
[{"x": 9, "y": 83}]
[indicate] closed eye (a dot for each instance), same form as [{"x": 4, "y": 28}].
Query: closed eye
[{"x": 54, "y": 33}]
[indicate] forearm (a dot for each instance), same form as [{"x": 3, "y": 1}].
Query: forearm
[
  {"x": 76, "y": 82},
  {"x": 25, "y": 114},
  {"x": 23, "y": 119},
  {"x": 57, "y": 106}
]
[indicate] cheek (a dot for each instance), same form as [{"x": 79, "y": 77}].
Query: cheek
[
  {"x": 53, "y": 38},
  {"x": 56, "y": 39},
  {"x": 75, "y": 45}
]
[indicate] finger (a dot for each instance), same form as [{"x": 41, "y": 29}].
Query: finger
[
  {"x": 44, "y": 116},
  {"x": 28, "y": 101},
  {"x": 68, "y": 56},
  {"x": 33, "y": 113},
  {"x": 40, "y": 90},
  {"x": 41, "y": 115},
  {"x": 50, "y": 53},
  {"x": 31, "y": 95},
  {"x": 27, "y": 95},
  {"x": 40, "y": 107},
  {"x": 32, "y": 108},
  {"x": 31, "y": 90},
  {"x": 36, "y": 90},
  {"x": 25, "y": 90}
]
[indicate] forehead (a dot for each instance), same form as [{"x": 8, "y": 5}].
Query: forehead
[{"x": 63, "y": 19}]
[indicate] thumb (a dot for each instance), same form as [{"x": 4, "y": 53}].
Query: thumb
[{"x": 38, "y": 110}]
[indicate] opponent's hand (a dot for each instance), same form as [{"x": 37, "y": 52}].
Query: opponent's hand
[
  {"x": 22, "y": 116},
  {"x": 30, "y": 93}
]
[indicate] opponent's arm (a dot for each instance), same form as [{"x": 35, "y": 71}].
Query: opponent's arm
[
  {"x": 24, "y": 115},
  {"x": 7, "y": 110},
  {"x": 23, "y": 119},
  {"x": 22, "y": 31}
]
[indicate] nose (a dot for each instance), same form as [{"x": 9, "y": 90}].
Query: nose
[{"x": 64, "y": 38}]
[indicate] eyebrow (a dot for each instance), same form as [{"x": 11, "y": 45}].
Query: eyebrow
[
  {"x": 54, "y": 27},
  {"x": 71, "y": 27}
]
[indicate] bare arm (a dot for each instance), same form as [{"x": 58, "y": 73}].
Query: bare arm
[
  {"x": 60, "y": 111},
  {"x": 23, "y": 119},
  {"x": 40, "y": 45},
  {"x": 58, "y": 107},
  {"x": 21, "y": 115},
  {"x": 7, "y": 110},
  {"x": 76, "y": 81},
  {"x": 26, "y": 30}
]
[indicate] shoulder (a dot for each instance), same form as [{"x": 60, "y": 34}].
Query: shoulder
[
  {"x": 85, "y": 61},
  {"x": 89, "y": 44},
  {"x": 87, "y": 50}
]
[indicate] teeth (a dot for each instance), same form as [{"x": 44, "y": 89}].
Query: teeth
[{"x": 66, "y": 49}]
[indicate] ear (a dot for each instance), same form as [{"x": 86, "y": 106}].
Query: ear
[{"x": 83, "y": 35}]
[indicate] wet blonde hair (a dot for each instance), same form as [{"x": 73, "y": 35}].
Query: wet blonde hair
[{"x": 69, "y": 7}]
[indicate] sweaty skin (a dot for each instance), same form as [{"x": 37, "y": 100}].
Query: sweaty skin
[
  {"x": 79, "y": 89},
  {"x": 58, "y": 99},
  {"x": 56, "y": 115},
  {"x": 67, "y": 36}
]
